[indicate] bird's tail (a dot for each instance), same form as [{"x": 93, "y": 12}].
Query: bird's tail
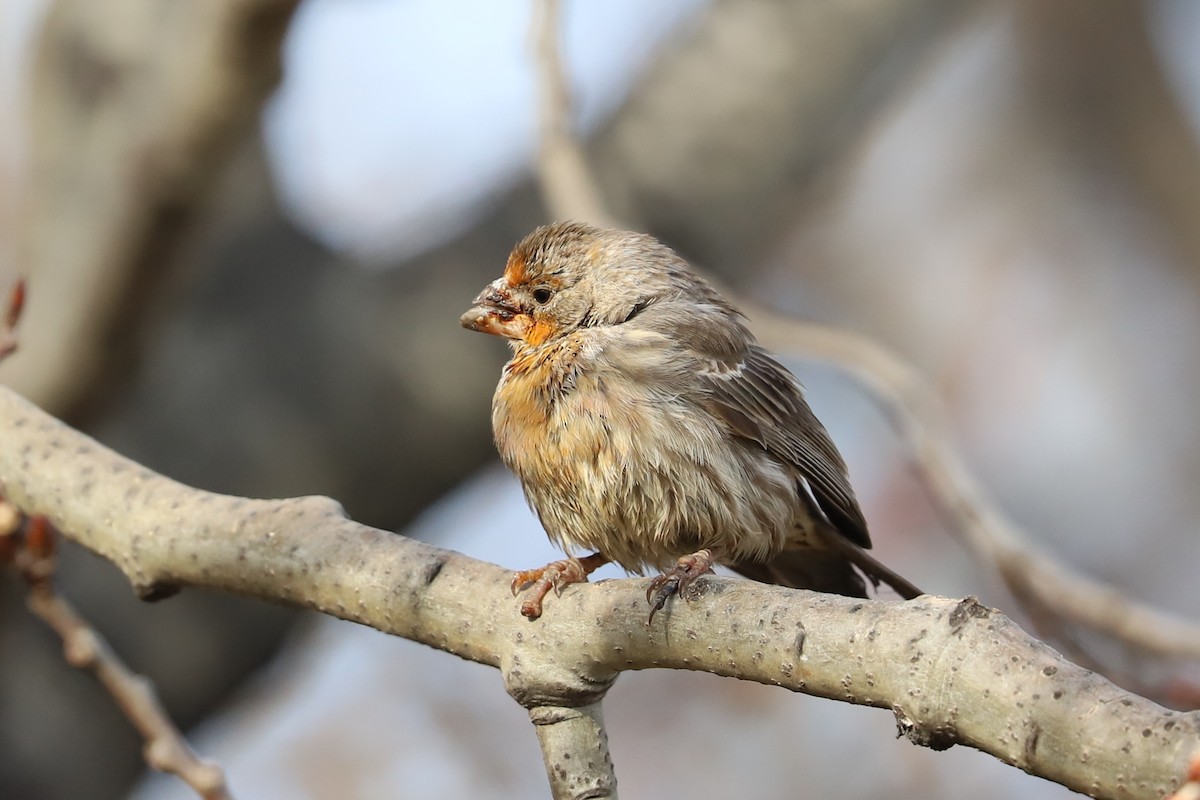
[
  {"x": 876, "y": 571},
  {"x": 838, "y": 570}
]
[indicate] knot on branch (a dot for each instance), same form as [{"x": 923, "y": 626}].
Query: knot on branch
[
  {"x": 968, "y": 608},
  {"x": 935, "y": 737},
  {"x": 534, "y": 680}
]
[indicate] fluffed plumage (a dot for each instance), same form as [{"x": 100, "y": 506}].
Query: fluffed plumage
[{"x": 646, "y": 424}]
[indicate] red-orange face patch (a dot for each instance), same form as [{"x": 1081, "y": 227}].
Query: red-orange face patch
[
  {"x": 539, "y": 332},
  {"x": 516, "y": 271}
]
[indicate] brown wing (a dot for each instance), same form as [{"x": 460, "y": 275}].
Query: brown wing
[{"x": 764, "y": 403}]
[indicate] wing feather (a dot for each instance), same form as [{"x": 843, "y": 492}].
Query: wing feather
[
  {"x": 752, "y": 393},
  {"x": 764, "y": 403}
]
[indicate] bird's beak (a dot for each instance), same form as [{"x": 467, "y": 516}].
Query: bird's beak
[{"x": 496, "y": 313}]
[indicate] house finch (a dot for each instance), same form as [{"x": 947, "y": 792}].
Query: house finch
[{"x": 646, "y": 424}]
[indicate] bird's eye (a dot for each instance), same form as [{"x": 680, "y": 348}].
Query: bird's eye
[{"x": 542, "y": 295}]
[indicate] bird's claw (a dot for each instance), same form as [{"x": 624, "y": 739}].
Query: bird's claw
[
  {"x": 677, "y": 580},
  {"x": 523, "y": 578},
  {"x": 556, "y": 575}
]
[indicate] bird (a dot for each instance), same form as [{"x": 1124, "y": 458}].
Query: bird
[{"x": 648, "y": 427}]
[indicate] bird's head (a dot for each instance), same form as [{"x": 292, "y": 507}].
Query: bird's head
[{"x": 569, "y": 275}]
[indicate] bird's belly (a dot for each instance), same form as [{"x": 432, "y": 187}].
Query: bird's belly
[{"x": 645, "y": 482}]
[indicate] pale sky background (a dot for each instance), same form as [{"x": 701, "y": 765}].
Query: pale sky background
[{"x": 398, "y": 120}]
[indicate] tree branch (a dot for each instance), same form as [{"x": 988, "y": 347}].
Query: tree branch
[
  {"x": 566, "y": 181},
  {"x": 575, "y": 749},
  {"x": 29, "y": 544},
  {"x": 953, "y": 672},
  {"x": 166, "y": 749}
]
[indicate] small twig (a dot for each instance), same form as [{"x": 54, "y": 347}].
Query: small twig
[
  {"x": 28, "y": 542},
  {"x": 567, "y": 184},
  {"x": 165, "y": 748},
  {"x": 12, "y": 315}
]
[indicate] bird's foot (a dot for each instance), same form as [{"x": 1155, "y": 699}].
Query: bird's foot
[
  {"x": 554, "y": 575},
  {"x": 677, "y": 580}
]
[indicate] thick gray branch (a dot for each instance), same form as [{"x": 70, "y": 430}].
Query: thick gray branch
[{"x": 952, "y": 672}]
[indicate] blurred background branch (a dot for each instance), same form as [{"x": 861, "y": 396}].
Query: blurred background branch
[
  {"x": 567, "y": 186},
  {"x": 133, "y": 111},
  {"x": 28, "y": 543}
]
